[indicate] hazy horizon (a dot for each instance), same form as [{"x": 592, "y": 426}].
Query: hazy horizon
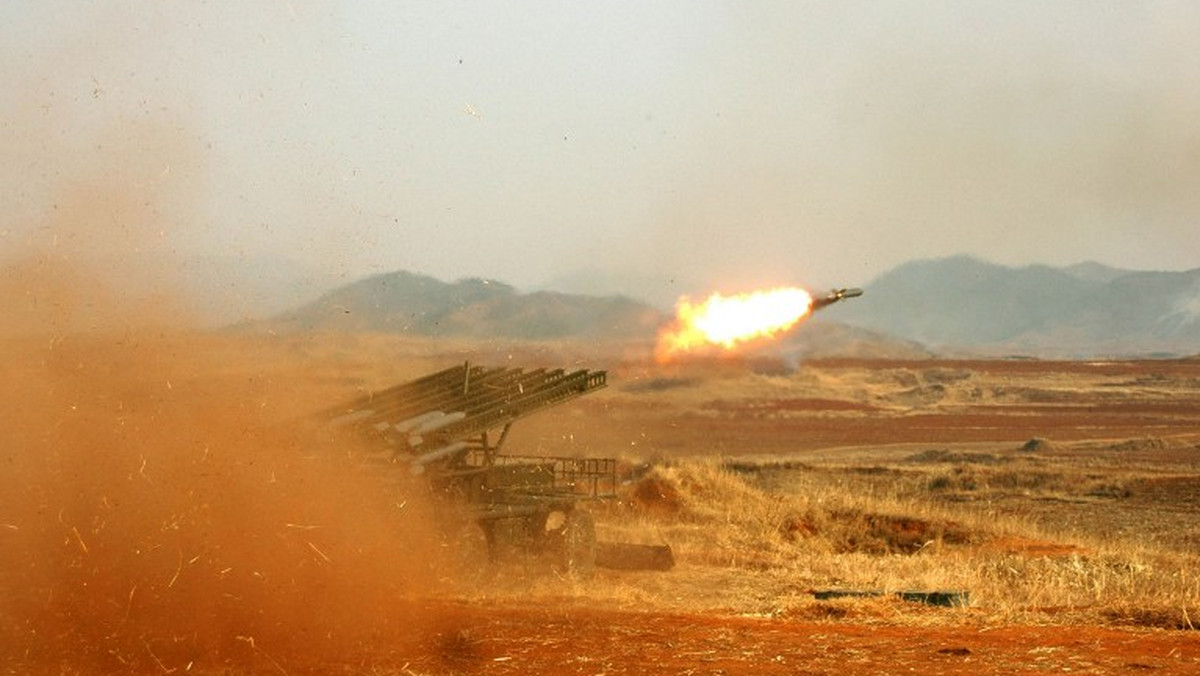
[{"x": 726, "y": 145}]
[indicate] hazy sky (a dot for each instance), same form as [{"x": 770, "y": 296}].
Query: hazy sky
[{"x": 731, "y": 143}]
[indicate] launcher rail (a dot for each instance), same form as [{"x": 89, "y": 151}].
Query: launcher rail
[{"x": 453, "y": 423}]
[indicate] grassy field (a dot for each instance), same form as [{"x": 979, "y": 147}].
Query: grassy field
[{"x": 1051, "y": 491}]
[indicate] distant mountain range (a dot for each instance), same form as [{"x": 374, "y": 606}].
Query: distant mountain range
[
  {"x": 946, "y": 306},
  {"x": 964, "y": 304},
  {"x": 404, "y": 302},
  {"x": 419, "y": 305}
]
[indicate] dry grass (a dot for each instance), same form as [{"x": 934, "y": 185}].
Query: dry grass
[
  {"x": 1066, "y": 531},
  {"x": 747, "y": 550}
]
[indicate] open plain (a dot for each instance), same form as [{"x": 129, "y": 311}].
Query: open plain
[{"x": 176, "y": 512}]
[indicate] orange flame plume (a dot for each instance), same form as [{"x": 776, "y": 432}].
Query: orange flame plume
[{"x": 725, "y": 322}]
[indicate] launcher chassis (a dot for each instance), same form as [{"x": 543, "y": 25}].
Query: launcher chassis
[{"x": 451, "y": 426}]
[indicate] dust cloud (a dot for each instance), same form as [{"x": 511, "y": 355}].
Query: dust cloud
[{"x": 167, "y": 508}]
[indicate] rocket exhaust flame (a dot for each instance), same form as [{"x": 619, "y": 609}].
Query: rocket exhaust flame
[{"x": 727, "y": 322}]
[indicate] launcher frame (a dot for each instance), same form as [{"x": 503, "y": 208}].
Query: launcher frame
[{"x": 451, "y": 426}]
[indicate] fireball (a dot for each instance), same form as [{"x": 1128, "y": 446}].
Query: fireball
[{"x": 727, "y": 322}]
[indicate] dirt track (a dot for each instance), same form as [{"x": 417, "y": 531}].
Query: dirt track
[{"x": 518, "y": 640}]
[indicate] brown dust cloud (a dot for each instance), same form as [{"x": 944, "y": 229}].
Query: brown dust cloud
[{"x": 166, "y": 508}]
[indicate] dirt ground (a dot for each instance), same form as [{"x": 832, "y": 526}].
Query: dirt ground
[
  {"x": 315, "y": 554},
  {"x": 716, "y": 410},
  {"x": 522, "y": 640}
]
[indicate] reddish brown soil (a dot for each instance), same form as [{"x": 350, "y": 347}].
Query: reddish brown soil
[
  {"x": 1030, "y": 547},
  {"x": 462, "y": 639},
  {"x": 692, "y": 434},
  {"x": 509, "y": 639},
  {"x": 771, "y": 405},
  {"x": 522, "y": 640},
  {"x": 1014, "y": 413},
  {"x": 1179, "y": 367}
]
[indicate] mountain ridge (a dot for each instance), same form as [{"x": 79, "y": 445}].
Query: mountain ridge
[
  {"x": 418, "y": 304},
  {"x": 1083, "y": 310},
  {"x": 954, "y": 305}
]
